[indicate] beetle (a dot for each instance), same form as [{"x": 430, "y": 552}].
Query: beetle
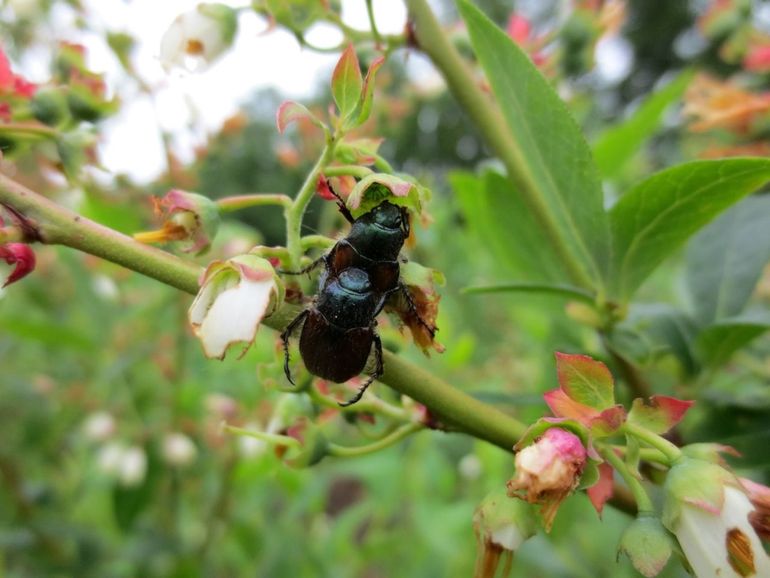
[
  {"x": 360, "y": 273},
  {"x": 339, "y": 330}
]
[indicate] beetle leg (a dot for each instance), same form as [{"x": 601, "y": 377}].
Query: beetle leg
[
  {"x": 379, "y": 368},
  {"x": 341, "y": 204},
  {"x": 285, "y": 338},
  {"x": 304, "y": 270},
  {"x": 413, "y": 309}
]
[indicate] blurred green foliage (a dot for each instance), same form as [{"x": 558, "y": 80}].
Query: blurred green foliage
[{"x": 83, "y": 340}]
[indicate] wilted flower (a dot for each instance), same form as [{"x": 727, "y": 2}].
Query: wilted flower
[
  {"x": 709, "y": 512},
  {"x": 21, "y": 256},
  {"x": 548, "y": 471},
  {"x": 186, "y": 216},
  {"x": 760, "y": 499},
  {"x": 178, "y": 449},
  {"x": 502, "y": 525},
  {"x": 712, "y": 103},
  {"x": 235, "y": 296},
  {"x": 198, "y": 37},
  {"x": 99, "y": 426},
  {"x": 420, "y": 316}
]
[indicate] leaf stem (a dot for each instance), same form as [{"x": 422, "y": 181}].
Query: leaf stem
[
  {"x": 373, "y": 23},
  {"x": 237, "y": 202},
  {"x": 487, "y": 116},
  {"x": 392, "y": 438},
  {"x": 669, "y": 450},
  {"x": 348, "y": 170},
  {"x": 368, "y": 405},
  {"x": 56, "y": 225},
  {"x": 643, "y": 501}
]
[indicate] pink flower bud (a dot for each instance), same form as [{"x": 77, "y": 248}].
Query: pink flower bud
[
  {"x": 21, "y": 256},
  {"x": 548, "y": 471}
]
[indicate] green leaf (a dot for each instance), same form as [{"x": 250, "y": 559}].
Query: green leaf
[
  {"x": 347, "y": 82},
  {"x": 659, "y": 214},
  {"x": 618, "y": 144},
  {"x": 498, "y": 216},
  {"x": 566, "y": 291},
  {"x": 364, "y": 106},
  {"x": 559, "y": 181},
  {"x": 725, "y": 260},
  {"x": 585, "y": 380},
  {"x": 718, "y": 342}
]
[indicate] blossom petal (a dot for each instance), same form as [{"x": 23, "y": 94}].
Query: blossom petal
[{"x": 234, "y": 316}]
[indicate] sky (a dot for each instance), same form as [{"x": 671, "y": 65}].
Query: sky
[{"x": 190, "y": 105}]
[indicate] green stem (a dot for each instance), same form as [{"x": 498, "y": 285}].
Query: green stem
[
  {"x": 31, "y": 129},
  {"x": 373, "y": 23},
  {"x": 645, "y": 454},
  {"x": 489, "y": 120},
  {"x": 235, "y": 203},
  {"x": 316, "y": 242},
  {"x": 669, "y": 450},
  {"x": 270, "y": 438},
  {"x": 348, "y": 170},
  {"x": 295, "y": 212},
  {"x": 56, "y": 225},
  {"x": 387, "y": 441},
  {"x": 643, "y": 501},
  {"x": 372, "y": 405}
]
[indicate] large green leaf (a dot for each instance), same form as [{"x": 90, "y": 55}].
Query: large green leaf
[
  {"x": 499, "y": 219},
  {"x": 619, "y": 143},
  {"x": 659, "y": 214},
  {"x": 718, "y": 342},
  {"x": 726, "y": 259},
  {"x": 555, "y": 174}
]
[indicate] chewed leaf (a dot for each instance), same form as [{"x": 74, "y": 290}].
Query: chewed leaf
[
  {"x": 378, "y": 187},
  {"x": 347, "y": 82},
  {"x": 660, "y": 415},
  {"x": 290, "y": 112},
  {"x": 585, "y": 380}
]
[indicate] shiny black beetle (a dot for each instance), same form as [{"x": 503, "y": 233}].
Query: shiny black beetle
[{"x": 360, "y": 273}]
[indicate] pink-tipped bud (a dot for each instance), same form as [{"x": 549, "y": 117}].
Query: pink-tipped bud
[
  {"x": 548, "y": 471},
  {"x": 19, "y": 255}
]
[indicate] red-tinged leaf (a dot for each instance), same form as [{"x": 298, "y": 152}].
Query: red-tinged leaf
[
  {"x": 602, "y": 490},
  {"x": 290, "y": 112},
  {"x": 364, "y": 107},
  {"x": 375, "y": 188},
  {"x": 20, "y": 255},
  {"x": 660, "y": 414},
  {"x": 563, "y": 406},
  {"x": 347, "y": 82},
  {"x": 585, "y": 380},
  {"x": 608, "y": 422},
  {"x": 323, "y": 189}
]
